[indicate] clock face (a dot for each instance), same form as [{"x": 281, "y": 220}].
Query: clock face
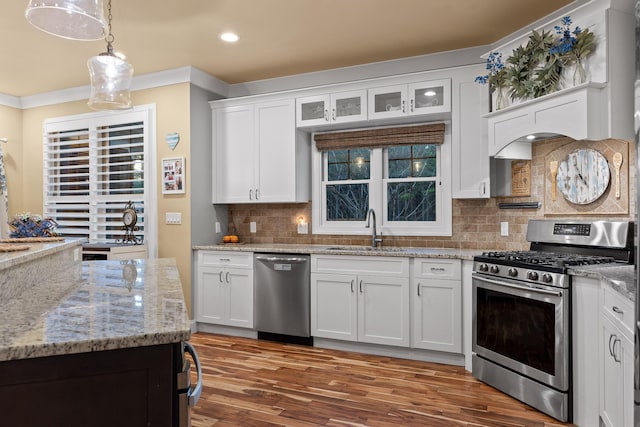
[
  {"x": 583, "y": 176},
  {"x": 129, "y": 217}
]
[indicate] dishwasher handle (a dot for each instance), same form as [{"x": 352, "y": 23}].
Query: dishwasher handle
[{"x": 292, "y": 260}]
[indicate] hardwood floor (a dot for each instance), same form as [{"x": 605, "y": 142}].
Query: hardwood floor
[{"x": 260, "y": 383}]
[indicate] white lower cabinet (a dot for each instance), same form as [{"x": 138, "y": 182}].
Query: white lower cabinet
[
  {"x": 616, "y": 363},
  {"x": 224, "y": 288},
  {"x": 437, "y": 305},
  {"x": 363, "y": 299}
]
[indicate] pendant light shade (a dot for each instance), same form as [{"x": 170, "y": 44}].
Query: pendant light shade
[
  {"x": 110, "y": 82},
  {"x": 71, "y": 19},
  {"x": 110, "y": 77}
]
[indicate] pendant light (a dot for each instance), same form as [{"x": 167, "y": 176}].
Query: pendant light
[
  {"x": 110, "y": 77},
  {"x": 71, "y": 19}
]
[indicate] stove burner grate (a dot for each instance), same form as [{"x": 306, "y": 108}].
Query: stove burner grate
[{"x": 533, "y": 258}]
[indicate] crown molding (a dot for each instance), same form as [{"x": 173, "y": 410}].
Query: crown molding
[{"x": 141, "y": 82}]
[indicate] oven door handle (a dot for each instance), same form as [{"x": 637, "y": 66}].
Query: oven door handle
[
  {"x": 194, "y": 393},
  {"x": 524, "y": 288}
]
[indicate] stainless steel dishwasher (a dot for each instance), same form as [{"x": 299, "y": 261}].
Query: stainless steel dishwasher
[{"x": 282, "y": 293}]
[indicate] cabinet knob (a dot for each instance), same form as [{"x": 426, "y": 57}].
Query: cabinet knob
[{"x": 411, "y": 105}]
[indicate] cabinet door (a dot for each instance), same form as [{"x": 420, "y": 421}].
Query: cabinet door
[
  {"x": 383, "y": 310},
  {"x": 334, "y": 306},
  {"x": 349, "y": 106},
  {"x": 437, "y": 315},
  {"x": 429, "y": 97},
  {"x": 233, "y": 154},
  {"x": 469, "y": 150},
  {"x": 240, "y": 297},
  {"x": 610, "y": 374},
  {"x": 212, "y": 295},
  {"x": 275, "y": 133},
  {"x": 389, "y": 101},
  {"x": 312, "y": 110}
]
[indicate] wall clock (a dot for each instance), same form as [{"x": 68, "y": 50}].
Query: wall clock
[{"x": 583, "y": 176}]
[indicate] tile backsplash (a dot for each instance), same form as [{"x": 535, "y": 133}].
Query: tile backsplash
[{"x": 476, "y": 223}]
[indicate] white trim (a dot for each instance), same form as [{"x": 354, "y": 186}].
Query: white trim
[{"x": 144, "y": 81}]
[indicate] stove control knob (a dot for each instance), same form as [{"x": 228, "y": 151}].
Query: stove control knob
[
  {"x": 513, "y": 272},
  {"x": 532, "y": 275},
  {"x": 483, "y": 267},
  {"x": 547, "y": 278},
  {"x": 494, "y": 269}
]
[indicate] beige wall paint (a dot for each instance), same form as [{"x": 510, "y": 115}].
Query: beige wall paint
[
  {"x": 11, "y": 128},
  {"x": 172, "y": 115}
]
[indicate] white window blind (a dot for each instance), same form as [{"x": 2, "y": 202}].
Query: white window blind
[{"x": 93, "y": 165}]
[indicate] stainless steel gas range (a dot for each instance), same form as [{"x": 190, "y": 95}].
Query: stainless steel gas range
[{"x": 522, "y": 308}]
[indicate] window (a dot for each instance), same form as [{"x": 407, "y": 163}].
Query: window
[
  {"x": 401, "y": 176},
  {"x": 93, "y": 165}
]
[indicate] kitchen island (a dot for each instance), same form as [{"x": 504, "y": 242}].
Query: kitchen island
[{"x": 98, "y": 344}]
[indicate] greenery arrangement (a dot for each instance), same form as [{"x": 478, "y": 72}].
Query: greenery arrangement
[{"x": 535, "y": 69}]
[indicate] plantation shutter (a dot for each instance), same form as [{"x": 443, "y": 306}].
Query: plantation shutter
[
  {"x": 382, "y": 137},
  {"x": 92, "y": 167}
]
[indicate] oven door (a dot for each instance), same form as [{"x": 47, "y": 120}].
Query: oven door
[{"x": 523, "y": 328}]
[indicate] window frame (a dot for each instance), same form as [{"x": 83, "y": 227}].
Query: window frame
[
  {"x": 95, "y": 123},
  {"x": 378, "y": 197}
]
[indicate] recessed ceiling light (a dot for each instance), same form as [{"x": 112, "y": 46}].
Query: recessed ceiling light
[{"x": 229, "y": 37}]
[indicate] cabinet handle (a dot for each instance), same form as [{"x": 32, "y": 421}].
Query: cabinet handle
[
  {"x": 439, "y": 269},
  {"x": 257, "y": 194},
  {"x": 225, "y": 259},
  {"x": 360, "y": 286},
  {"x": 220, "y": 276},
  {"x": 403, "y": 109},
  {"x": 616, "y": 309},
  {"x": 352, "y": 282},
  {"x": 226, "y": 277},
  {"x": 250, "y": 194},
  {"x": 611, "y": 337},
  {"x": 418, "y": 288},
  {"x": 615, "y": 355},
  {"x": 326, "y": 115},
  {"x": 333, "y": 114},
  {"x": 483, "y": 189},
  {"x": 411, "y": 105}
]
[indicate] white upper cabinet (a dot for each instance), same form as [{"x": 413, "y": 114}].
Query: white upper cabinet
[
  {"x": 343, "y": 107},
  {"x": 259, "y": 156},
  {"x": 429, "y": 97}
]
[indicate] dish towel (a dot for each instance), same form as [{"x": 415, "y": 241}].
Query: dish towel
[{"x": 4, "y": 200}]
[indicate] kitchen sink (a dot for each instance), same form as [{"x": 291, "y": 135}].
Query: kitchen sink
[{"x": 365, "y": 248}]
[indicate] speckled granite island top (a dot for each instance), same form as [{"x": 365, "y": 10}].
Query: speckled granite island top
[
  {"x": 622, "y": 278},
  {"x": 464, "y": 254},
  {"x": 108, "y": 305}
]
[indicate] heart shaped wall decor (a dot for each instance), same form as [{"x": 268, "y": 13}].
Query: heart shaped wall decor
[{"x": 172, "y": 139}]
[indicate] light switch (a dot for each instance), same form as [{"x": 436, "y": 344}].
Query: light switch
[
  {"x": 173, "y": 218},
  {"x": 504, "y": 228}
]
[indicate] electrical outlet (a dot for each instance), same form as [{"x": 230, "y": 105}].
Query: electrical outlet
[
  {"x": 252, "y": 227},
  {"x": 173, "y": 218},
  {"x": 504, "y": 228},
  {"x": 218, "y": 230}
]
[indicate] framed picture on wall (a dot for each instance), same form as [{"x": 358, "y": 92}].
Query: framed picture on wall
[{"x": 173, "y": 175}]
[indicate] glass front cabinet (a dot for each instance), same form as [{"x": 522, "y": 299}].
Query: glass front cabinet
[
  {"x": 340, "y": 107},
  {"x": 428, "y": 97}
]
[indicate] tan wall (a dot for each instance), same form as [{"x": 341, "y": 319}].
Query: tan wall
[
  {"x": 172, "y": 115},
  {"x": 476, "y": 223},
  {"x": 11, "y": 128}
]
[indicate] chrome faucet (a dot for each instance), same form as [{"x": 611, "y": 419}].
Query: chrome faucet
[{"x": 374, "y": 239}]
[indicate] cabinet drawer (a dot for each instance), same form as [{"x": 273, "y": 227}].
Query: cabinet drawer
[
  {"x": 225, "y": 259},
  {"x": 618, "y": 307},
  {"x": 371, "y": 265},
  {"x": 435, "y": 267}
]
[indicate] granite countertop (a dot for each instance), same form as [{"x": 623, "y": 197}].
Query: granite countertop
[
  {"x": 108, "y": 305},
  {"x": 622, "y": 278},
  {"x": 36, "y": 250},
  {"x": 464, "y": 254}
]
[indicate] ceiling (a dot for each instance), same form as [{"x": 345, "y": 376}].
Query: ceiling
[{"x": 277, "y": 37}]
